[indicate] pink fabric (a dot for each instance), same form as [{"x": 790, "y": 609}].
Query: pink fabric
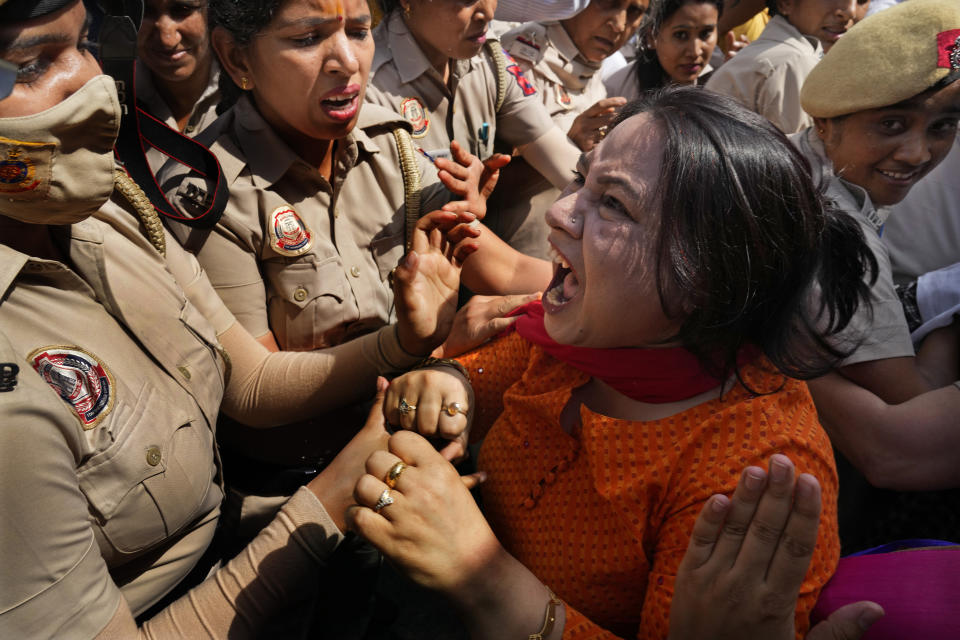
[{"x": 918, "y": 589}]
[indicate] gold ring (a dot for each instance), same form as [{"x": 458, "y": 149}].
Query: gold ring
[
  {"x": 385, "y": 500},
  {"x": 394, "y": 473},
  {"x": 405, "y": 407},
  {"x": 454, "y": 408}
]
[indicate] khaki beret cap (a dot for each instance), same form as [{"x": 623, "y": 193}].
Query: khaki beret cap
[{"x": 887, "y": 58}]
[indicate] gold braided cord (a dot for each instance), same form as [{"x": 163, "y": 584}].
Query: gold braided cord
[
  {"x": 500, "y": 60},
  {"x": 411, "y": 183},
  {"x": 141, "y": 204}
]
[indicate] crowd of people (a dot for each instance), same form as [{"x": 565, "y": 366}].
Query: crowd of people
[{"x": 642, "y": 324}]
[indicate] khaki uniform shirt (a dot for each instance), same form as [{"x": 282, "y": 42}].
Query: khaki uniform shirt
[
  {"x": 567, "y": 85},
  {"x": 887, "y": 336},
  {"x": 294, "y": 254},
  {"x": 403, "y": 80},
  {"x": 107, "y": 472},
  {"x": 202, "y": 115},
  {"x": 768, "y": 74}
]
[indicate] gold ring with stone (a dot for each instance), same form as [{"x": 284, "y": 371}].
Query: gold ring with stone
[
  {"x": 385, "y": 500},
  {"x": 602, "y": 130},
  {"x": 393, "y": 475},
  {"x": 405, "y": 407},
  {"x": 454, "y": 408}
]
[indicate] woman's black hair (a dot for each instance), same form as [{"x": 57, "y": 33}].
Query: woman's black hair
[
  {"x": 243, "y": 19},
  {"x": 748, "y": 251},
  {"x": 386, "y": 6},
  {"x": 650, "y": 73}
]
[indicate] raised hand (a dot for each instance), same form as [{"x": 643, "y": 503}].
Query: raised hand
[
  {"x": 426, "y": 283},
  {"x": 591, "y": 125},
  {"x": 746, "y": 561},
  {"x": 470, "y": 179},
  {"x": 482, "y": 318}
]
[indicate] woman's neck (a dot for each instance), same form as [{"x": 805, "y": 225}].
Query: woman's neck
[
  {"x": 437, "y": 59},
  {"x": 601, "y": 398},
  {"x": 181, "y": 96},
  {"x": 317, "y": 153}
]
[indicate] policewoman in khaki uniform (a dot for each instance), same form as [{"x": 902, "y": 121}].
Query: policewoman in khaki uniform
[
  {"x": 882, "y": 121},
  {"x": 114, "y": 364},
  {"x": 563, "y": 60},
  {"x": 439, "y": 67},
  {"x": 323, "y": 198}
]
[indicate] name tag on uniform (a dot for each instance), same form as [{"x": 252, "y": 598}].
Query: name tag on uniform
[{"x": 526, "y": 49}]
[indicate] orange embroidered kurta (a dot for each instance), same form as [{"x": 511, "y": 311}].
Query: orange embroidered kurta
[{"x": 603, "y": 515}]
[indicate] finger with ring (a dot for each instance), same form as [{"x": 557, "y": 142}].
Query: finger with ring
[
  {"x": 454, "y": 408},
  {"x": 405, "y": 407},
  {"x": 385, "y": 500},
  {"x": 393, "y": 475}
]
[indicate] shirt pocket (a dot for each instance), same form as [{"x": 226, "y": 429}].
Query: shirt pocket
[
  {"x": 154, "y": 479},
  {"x": 387, "y": 252},
  {"x": 306, "y": 302}
]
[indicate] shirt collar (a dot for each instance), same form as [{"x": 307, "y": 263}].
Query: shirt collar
[
  {"x": 148, "y": 94},
  {"x": 270, "y": 158},
  {"x": 779, "y": 29},
  {"x": 564, "y": 59},
  {"x": 407, "y": 56}
]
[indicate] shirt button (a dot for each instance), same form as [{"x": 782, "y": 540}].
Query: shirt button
[
  {"x": 300, "y": 294},
  {"x": 153, "y": 456},
  {"x": 184, "y": 372},
  {"x": 536, "y": 492},
  {"x": 355, "y": 271},
  {"x": 529, "y": 503},
  {"x": 190, "y": 128}
]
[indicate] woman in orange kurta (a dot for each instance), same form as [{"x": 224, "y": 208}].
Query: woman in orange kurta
[{"x": 662, "y": 360}]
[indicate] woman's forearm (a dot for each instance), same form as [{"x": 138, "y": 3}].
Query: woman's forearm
[
  {"x": 909, "y": 446},
  {"x": 268, "y": 388}
]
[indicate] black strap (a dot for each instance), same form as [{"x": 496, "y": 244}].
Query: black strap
[{"x": 118, "y": 51}]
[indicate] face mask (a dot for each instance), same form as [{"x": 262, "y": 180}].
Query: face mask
[{"x": 56, "y": 166}]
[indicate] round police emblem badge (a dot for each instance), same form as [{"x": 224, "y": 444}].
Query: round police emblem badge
[
  {"x": 289, "y": 236},
  {"x": 17, "y": 172},
  {"x": 412, "y": 111},
  {"x": 79, "y": 378}
]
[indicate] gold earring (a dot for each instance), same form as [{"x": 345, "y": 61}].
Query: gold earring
[
  {"x": 243, "y": 83},
  {"x": 820, "y": 131},
  {"x": 406, "y": 11}
]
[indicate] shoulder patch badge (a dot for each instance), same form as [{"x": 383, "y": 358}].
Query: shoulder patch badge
[
  {"x": 514, "y": 69},
  {"x": 289, "y": 236},
  {"x": 79, "y": 378},
  {"x": 412, "y": 111}
]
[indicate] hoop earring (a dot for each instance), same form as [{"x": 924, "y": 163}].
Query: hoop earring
[{"x": 243, "y": 83}]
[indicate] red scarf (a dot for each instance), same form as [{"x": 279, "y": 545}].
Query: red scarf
[{"x": 656, "y": 376}]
